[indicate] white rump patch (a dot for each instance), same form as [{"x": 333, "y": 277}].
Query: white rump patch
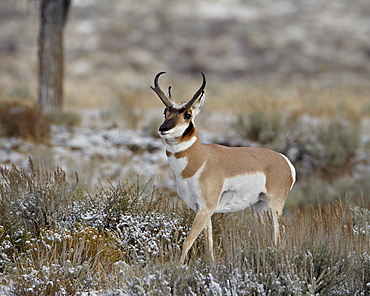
[{"x": 292, "y": 170}]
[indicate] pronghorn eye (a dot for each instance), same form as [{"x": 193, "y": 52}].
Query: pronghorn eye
[{"x": 187, "y": 115}]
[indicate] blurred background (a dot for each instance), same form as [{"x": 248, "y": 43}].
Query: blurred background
[
  {"x": 119, "y": 43},
  {"x": 291, "y": 75}
]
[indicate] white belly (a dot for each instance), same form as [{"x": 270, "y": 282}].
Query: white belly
[{"x": 241, "y": 192}]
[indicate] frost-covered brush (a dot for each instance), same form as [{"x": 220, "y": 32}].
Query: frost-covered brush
[{"x": 219, "y": 179}]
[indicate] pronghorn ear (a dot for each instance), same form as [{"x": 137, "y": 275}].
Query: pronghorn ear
[{"x": 198, "y": 104}]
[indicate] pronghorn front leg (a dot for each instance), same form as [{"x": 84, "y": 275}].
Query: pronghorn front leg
[
  {"x": 208, "y": 239},
  {"x": 201, "y": 220}
]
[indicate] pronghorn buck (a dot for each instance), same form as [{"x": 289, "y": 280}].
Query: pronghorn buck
[{"x": 218, "y": 179}]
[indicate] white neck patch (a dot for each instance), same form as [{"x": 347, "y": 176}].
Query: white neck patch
[{"x": 181, "y": 145}]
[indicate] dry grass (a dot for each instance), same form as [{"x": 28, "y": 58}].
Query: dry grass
[
  {"x": 293, "y": 99},
  {"x": 348, "y": 101},
  {"x": 55, "y": 239},
  {"x": 25, "y": 120}
]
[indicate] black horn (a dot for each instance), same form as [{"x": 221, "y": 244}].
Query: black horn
[
  {"x": 197, "y": 94},
  {"x": 159, "y": 92}
]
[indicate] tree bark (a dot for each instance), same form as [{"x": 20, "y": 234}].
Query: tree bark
[{"x": 53, "y": 15}]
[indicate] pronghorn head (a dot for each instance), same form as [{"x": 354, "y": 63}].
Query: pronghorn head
[{"x": 179, "y": 118}]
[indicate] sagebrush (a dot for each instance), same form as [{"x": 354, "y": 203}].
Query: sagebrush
[{"x": 56, "y": 239}]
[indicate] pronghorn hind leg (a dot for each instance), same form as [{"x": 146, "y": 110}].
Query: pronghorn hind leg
[
  {"x": 276, "y": 209},
  {"x": 208, "y": 240},
  {"x": 262, "y": 207},
  {"x": 201, "y": 219},
  {"x": 275, "y": 220}
]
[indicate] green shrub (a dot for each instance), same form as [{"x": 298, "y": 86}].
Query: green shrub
[
  {"x": 326, "y": 147},
  {"x": 259, "y": 126},
  {"x": 335, "y": 145}
]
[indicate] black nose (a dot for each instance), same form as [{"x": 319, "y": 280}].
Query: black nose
[
  {"x": 163, "y": 128},
  {"x": 167, "y": 125}
]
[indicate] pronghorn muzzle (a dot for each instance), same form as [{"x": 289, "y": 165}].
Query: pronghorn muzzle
[{"x": 167, "y": 125}]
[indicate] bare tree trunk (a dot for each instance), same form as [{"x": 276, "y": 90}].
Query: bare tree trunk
[{"x": 53, "y": 15}]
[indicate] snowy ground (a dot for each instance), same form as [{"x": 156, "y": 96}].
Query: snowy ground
[{"x": 94, "y": 153}]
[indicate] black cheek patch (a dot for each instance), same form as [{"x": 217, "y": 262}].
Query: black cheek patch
[{"x": 188, "y": 130}]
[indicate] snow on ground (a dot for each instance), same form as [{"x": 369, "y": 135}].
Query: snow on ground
[{"x": 94, "y": 153}]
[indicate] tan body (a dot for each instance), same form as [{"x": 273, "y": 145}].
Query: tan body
[{"x": 214, "y": 178}]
